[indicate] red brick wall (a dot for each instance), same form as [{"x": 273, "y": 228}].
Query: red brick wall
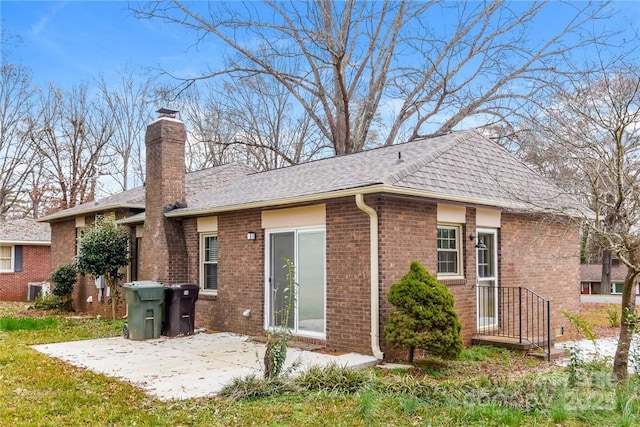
[
  {"x": 35, "y": 268},
  {"x": 408, "y": 231},
  {"x": 63, "y": 249},
  {"x": 543, "y": 255},
  {"x": 240, "y": 274},
  {"x": 63, "y": 242},
  {"x": 348, "y": 277}
]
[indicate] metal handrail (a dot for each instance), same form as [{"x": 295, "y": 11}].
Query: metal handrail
[{"x": 515, "y": 312}]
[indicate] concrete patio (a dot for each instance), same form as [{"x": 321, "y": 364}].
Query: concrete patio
[{"x": 185, "y": 367}]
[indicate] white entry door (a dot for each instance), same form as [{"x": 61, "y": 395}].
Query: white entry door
[{"x": 487, "y": 278}]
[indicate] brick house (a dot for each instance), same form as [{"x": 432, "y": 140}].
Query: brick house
[
  {"x": 25, "y": 248},
  {"x": 462, "y": 205},
  {"x": 592, "y": 290}
]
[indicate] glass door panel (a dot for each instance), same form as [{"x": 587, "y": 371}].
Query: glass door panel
[
  {"x": 487, "y": 267},
  {"x": 282, "y": 248},
  {"x": 311, "y": 281}
]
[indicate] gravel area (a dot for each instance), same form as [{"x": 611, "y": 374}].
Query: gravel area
[{"x": 602, "y": 349}]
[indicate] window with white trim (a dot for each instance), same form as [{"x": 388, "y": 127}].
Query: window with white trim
[
  {"x": 209, "y": 263},
  {"x": 617, "y": 287},
  {"x": 449, "y": 250},
  {"x": 6, "y": 258}
]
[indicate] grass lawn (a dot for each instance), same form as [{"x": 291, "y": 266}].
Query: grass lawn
[{"x": 486, "y": 387}]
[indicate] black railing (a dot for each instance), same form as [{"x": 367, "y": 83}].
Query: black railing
[{"x": 515, "y": 312}]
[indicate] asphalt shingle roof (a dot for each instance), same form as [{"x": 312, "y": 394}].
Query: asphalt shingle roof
[
  {"x": 593, "y": 272},
  {"x": 24, "y": 230},
  {"x": 458, "y": 166},
  {"x": 134, "y": 198}
]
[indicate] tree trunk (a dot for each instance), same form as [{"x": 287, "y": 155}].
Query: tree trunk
[
  {"x": 605, "y": 281},
  {"x": 412, "y": 350},
  {"x": 627, "y": 325},
  {"x": 113, "y": 287}
]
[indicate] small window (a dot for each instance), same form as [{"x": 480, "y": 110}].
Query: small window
[
  {"x": 79, "y": 235},
  {"x": 449, "y": 256},
  {"x": 209, "y": 268},
  {"x": 6, "y": 258},
  {"x": 616, "y": 287}
]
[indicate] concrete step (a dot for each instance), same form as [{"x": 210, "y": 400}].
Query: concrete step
[{"x": 515, "y": 344}]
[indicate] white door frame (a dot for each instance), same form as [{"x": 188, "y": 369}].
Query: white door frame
[{"x": 267, "y": 285}]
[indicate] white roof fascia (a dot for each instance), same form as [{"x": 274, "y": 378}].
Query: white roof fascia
[
  {"x": 26, "y": 242},
  {"x": 378, "y": 188}
]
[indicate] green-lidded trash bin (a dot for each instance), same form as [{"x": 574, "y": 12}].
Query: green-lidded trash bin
[
  {"x": 180, "y": 309},
  {"x": 145, "y": 303}
]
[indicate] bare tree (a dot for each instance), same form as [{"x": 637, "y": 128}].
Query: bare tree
[
  {"x": 16, "y": 102},
  {"x": 128, "y": 104},
  {"x": 209, "y": 131},
  {"x": 272, "y": 132},
  {"x": 588, "y": 136},
  {"x": 416, "y": 67},
  {"x": 250, "y": 120},
  {"x": 42, "y": 195},
  {"x": 70, "y": 134}
]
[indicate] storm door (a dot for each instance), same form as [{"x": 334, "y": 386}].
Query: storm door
[{"x": 487, "y": 278}]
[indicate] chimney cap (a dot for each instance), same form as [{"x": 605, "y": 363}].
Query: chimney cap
[{"x": 166, "y": 112}]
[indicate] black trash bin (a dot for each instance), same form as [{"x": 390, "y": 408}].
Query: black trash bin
[{"x": 180, "y": 309}]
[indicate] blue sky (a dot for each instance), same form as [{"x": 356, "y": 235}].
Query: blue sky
[
  {"x": 70, "y": 41},
  {"x": 67, "y": 42}
]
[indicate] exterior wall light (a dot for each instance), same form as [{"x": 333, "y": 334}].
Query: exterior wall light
[
  {"x": 480, "y": 244},
  {"x": 251, "y": 235}
]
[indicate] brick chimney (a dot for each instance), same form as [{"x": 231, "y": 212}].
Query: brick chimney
[{"x": 164, "y": 255}]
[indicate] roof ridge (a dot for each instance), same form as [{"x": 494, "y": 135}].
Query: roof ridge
[
  {"x": 220, "y": 167},
  {"x": 455, "y": 139}
]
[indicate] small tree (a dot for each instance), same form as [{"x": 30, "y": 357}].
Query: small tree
[
  {"x": 103, "y": 251},
  {"x": 425, "y": 316},
  {"x": 64, "y": 278},
  {"x": 278, "y": 338}
]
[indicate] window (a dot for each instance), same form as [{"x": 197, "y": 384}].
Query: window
[
  {"x": 209, "y": 256},
  {"x": 6, "y": 258},
  {"x": 449, "y": 257},
  {"x": 79, "y": 235},
  {"x": 616, "y": 287}
]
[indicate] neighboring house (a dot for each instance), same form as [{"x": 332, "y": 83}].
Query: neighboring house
[
  {"x": 25, "y": 248},
  {"x": 475, "y": 216},
  {"x": 591, "y": 289}
]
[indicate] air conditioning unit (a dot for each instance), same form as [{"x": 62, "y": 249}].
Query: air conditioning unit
[{"x": 33, "y": 290}]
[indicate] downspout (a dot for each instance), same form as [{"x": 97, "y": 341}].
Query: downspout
[{"x": 375, "y": 298}]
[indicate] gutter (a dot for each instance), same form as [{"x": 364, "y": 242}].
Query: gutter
[
  {"x": 369, "y": 189},
  {"x": 375, "y": 292},
  {"x": 27, "y": 242},
  {"x": 96, "y": 207}
]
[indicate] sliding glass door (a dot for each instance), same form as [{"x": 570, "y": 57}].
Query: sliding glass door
[{"x": 304, "y": 310}]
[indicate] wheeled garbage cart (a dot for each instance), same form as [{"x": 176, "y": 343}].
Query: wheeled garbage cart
[
  {"x": 145, "y": 303},
  {"x": 180, "y": 309}
]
